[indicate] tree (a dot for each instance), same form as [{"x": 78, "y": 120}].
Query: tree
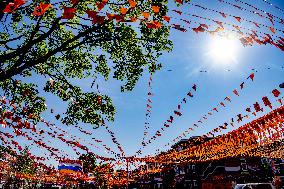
[
  {"x": 20, "y": 163},
  {"x": 39, "y": 44},
  {"x": 99, "y": 171},
  {"x": 89, "y": 162},
  {"x": 25, "y": 164},
  {"x": 6, "y": 150}
]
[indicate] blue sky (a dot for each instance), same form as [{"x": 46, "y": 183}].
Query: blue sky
[{"x": 190, "y": 55}]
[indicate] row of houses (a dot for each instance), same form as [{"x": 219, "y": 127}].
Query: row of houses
[{"x": 221, "y": 174}]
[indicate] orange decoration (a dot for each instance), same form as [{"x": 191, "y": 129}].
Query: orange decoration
[
  {"x": 132, "y": 3},
  {"x": 146, "y": 14},
  {"x": 11, "y": 7},
  {"x": 100, "y": 5},
  {"x": 69, "y": 13},
  {"x": 167, "y": 18},
  {"x": 155, "y": 9},
  {"x": 237, "y": 18},
  {"x": 123, "y": 10},
  {"x": 272, "y": 30},
  {"x": 154, "y": 24},
  {"x": 41, "y": 9}
]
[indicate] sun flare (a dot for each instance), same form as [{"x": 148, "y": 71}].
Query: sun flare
[{"x": 223, "y": 50}]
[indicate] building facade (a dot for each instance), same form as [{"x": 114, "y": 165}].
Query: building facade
[{"x": 221, "y": 174}]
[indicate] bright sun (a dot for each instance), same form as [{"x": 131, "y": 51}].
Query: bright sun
[{"x": 223, "y": 50}]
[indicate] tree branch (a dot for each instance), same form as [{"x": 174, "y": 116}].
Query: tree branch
[
  {"x": 12, "y": 39},
  {"x": 17, "y": 70},
  {"x": 19, "y": 51}
]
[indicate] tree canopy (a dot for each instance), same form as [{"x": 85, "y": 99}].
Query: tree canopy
[
  {"x": 89, "y": 162},
  {"x": 50, "y": 47}
]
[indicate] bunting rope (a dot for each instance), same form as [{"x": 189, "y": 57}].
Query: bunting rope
[
  {"x": 210, "y": 113},
  {"x": 170, "y": 120},
  {"x": 257, "y": 107},
  {"x": 149, "y": 105}
]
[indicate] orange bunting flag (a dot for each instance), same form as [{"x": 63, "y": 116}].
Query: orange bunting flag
[
  {"x": 237, "y": 6},
  {"x": 237, "y": 18},
  {"x": 194, "y": 87},
  {"x": 132, "y": 3},
  {"x": 167, "y": 18},
  {"x": 74, "y": 2},
  {"x": 99, "y": 100},
  {"x": 228, "y": 99},
  {"x": 11, "y": 7},
  {"x": 257, "y": 107},
  {"x": 223, "y": 14},
  {"x": 204, "y": 26},
  {"x": 242, "y": 85},
  {"x": 236, "y": 92},
  {"x": 100, "y": 5},
  {"x": 276, "y": 93},
  {"x": 199, "y": 29},
  {"x": 272, "y": 30},
  {"x": 270, "y": 18},
  {"x": 267, "y": 102},
  {"x": 154, "y": 24},
  {"x": 177, "y": 11},
  {"x": 256, "y": 24},
  {"x": 91, "y": 13},
  {"x": 69, "y": 13},
  {"x": 119, "y": 18},
  {"x": 155, "y": 9},
  {"x": 178, "y": 27},
  {"x": 111, "y": 16},
  {"x": 189, "y": 94},
  {"x": 98, "y": 19},
  {"x": 219, "y": 23},
  {"x": 171, "y": 119},
  {"x": 179, "y": 1},
  {"x": 146, "y": 14},
  {"x": 186, "y": 21},
  {"x": 251, "y": 76},
  {"x": 240, "y": 118},
  {"x": 41, "y": 9},
  {"x": 123, "y": 10},
  {"x": 237, "y": 27},
  {"x": 133, "y": 19},
  {"x": 178, "y": 113}
]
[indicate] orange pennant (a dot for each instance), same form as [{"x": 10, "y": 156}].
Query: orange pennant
[
  {"x": 146, "y": 14},
  {"x": 167, "y": 18},
  {"x": 41, "y": 9},
  {"x": 132, "y": 3},
  {"x": 123, "y": 10},
  {"x": 237, "y": 18},
  {"x": 155, "y": 9}
]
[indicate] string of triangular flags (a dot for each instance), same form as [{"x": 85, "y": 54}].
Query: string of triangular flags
[
  {"x": 212, "y": 112},
  {"x": 149, "y": 105},
  {"x": 176, "y": 113}
]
